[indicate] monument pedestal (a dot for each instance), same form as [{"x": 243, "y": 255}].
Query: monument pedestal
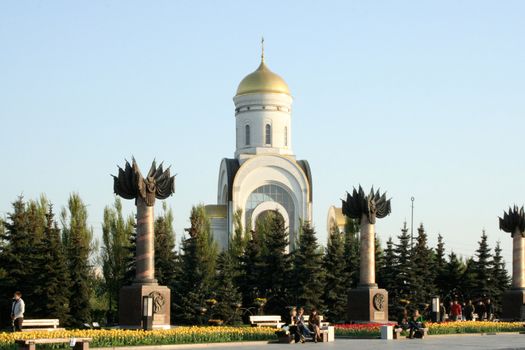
[
  {"x": 368, "y": 304},
  {"x": 130, "y": 305},
  {"x": 513, "y": 305}
]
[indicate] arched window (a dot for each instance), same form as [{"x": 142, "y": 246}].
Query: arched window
[
  {"x": 286, "y": 136},
  {"x": 247, "y": 134},
  {"x": 268, "y": 136}
]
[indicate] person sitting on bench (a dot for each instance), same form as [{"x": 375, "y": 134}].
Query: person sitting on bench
[
  {"x": 299, "y": 322},
  {"x": 416, "y": 325},
  {"x": 314, "y": 324}
]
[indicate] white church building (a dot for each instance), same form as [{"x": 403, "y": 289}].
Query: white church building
[{"x": 264, "y": 174}]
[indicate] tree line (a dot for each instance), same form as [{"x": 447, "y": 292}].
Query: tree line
[{"x": 63, "y": 273}]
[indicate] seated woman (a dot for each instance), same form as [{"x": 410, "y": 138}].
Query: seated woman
[
  {"x": 415, "y": 324},
  {"x": 301, "y": 326},
  {"x": 292, "y": 327},
  {"x": 314, "y": 323}
]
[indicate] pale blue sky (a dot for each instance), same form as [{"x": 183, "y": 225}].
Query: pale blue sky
[{"x": 421, "y": 98}]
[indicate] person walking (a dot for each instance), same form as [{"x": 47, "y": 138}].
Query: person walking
[
  {"x": 17, "y": 311},
  {"x": 456, "y": 311},
  {"x": 468, "y": 311},
  {"x": 489, "y": 309}
]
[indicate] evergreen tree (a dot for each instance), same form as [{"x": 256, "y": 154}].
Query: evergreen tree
[
  {"x": 240, "y": 238},
  {"x": 335, "y": 293},
  {"x": 308, "y": 270},
  {"x": 276, "y": 266},
  {"x": 77, "y": 238},
  {"x": 378, "y": 258},
  {"x": 19, "y": 258},
  {"x": 351, "y": 253},
  {"x": 468, "y": 285},
  {"x": 440, "y": 264},
  {"x": 228, "y": 295},
  {"x": 197, "y": 272},
  {"x": 423, "y": 273},
  {"x": 404, "y": 283},
  {"x": 250, "y": 267},
  {"x": 483, "y": 269},
  {"x": 115, "y": 255},
  {"x": 387, "y": 275},
  {"x": 454, "y": 272},
  {"x": 165, "y": 255},
  {"x": 500, "y": 278},
  {"x": 52, "y": 283}
]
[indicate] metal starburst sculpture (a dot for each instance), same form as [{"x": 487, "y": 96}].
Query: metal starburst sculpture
[
  {"x": 130, "y": 184},
  {"x": 512, "y": 220},
  {"x": 372, "y": 205}
]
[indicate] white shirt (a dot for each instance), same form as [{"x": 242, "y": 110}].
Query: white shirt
[{"x": 18, "y": 308}]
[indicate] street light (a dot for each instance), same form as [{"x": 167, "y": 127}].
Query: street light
[{"x": 147, "y": 313}]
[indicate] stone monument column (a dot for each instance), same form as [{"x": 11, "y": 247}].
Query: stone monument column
[
  {"x": 518, "y": 259},
  {"x": 158, "y": 184},
  {"x": 367, "y": 302},
  {"x": 145, "y": 261},
  {"x": 513, "y": 299},
  {"x": 367, "y": 272}
]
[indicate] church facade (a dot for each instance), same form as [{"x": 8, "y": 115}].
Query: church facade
[{"x": 264, "y": 174}]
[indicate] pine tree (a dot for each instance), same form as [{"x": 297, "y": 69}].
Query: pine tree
[
  {"x": 423, "y": 273},
  {"x": 197, "y": 272},
  {"x": 351, "y": 253},
  {"x": 228, "y": 295},
  {"x": 379, "y": 258},
  {"x": 52, "y": 283},
  {"x": 387, "y": 275},
  {"x": 468, "y": 285},
  {"x": 240, "y": 238},
  {"x": 276, "y": 266},
  {"x": 483, "y": 268},
  {"x": 454, "y": 272},
  {"x": 77, "y": 238},
  {"x": 250, "y": 267},
  {"x": 335, "y": 293},
  {"x": 440, "y": 264},
  {"x": 404, "y": 282},
  {"x": 19, "y": 257},
  {"x": 500, "y": 279},
  {"x": 308, "y": 270},
  {"x": 115, "y": 254},
  {"x": 165, "y": 255}
]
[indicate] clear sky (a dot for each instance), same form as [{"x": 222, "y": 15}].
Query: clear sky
[{"x": 420, "y": 98}]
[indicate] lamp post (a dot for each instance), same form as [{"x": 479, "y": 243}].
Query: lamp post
[
  {"x": 147, "y": 313},
  {"x": 412, "y": 223}
]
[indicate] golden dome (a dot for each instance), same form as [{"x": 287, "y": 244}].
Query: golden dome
[{"x": 261, "y": 81}]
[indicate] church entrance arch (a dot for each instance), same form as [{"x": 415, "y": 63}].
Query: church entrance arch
[{"x": 270, "y": 197}]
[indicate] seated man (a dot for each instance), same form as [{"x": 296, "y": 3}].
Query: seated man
[
  {"x": 314, "y": 324},
  {"x": 402, "y": 320},
  {"x": 416, "y": 325},
  {"x": 301, "y": 326}
]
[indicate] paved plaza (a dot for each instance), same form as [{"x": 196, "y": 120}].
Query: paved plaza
[{"x": 460, "y": 342}]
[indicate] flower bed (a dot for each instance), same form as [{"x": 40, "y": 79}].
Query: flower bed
[
  {"x": 474, "y": 327},
  {"x": 371, "y": 330},
  {"x": 359, "y": 330},
  {"x": 118, "y": 337}
]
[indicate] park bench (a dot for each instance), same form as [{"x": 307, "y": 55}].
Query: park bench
[
  {"x": 323, "y": 324},
  {"x": 76, "y": 343},
  {"x": 45, "y": 324},
  {"x": 266, "y": 321}
]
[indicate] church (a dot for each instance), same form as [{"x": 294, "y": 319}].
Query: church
[{"x": 264, "y": 174}]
